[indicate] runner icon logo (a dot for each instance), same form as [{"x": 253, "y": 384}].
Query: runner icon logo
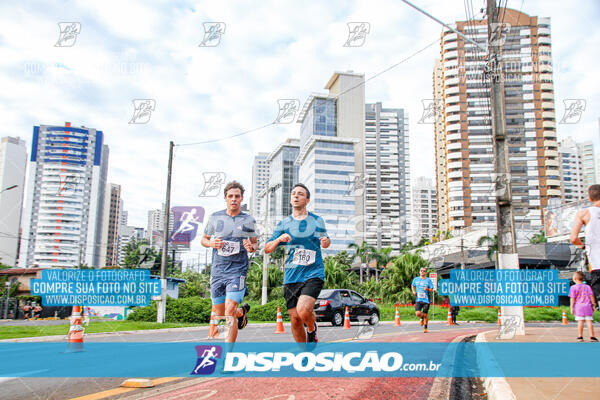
[{"x": 207, "y": 359}]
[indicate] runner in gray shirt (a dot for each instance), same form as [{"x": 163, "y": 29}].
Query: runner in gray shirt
[{"x": 231, "y": 235}]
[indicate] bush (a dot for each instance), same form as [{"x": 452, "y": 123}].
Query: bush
[
  {"x": 188, "y": 309},
  {"x": 268, "y": 312}
]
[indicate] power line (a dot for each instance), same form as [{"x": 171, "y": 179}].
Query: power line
[{"x": 336, "y": 96}]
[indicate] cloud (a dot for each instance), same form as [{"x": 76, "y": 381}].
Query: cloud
[{"x": 270, "y": 50}]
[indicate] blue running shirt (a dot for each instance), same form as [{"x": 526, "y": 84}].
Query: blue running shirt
[{"x": 304, "y": 260}]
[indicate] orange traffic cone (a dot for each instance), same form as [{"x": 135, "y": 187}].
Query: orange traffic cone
[
  {"x": 279, "y": 324},
  {"x": 397, "y": 323},
  {"x": 449, "y": 320},
  {"x": 499, "y": 317},
  {"x": 564, "y": 318},
  {"x": 75, "y": 336},
  {"x": 213, "y": 328},
  {"x": 347, "y": 319}
]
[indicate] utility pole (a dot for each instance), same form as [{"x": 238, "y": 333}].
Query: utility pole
[
  {"x": 508, "y": 257},
  {"x": 162, "y": 304},
  {"x": 265, "y": 271},
  {"x": 462, "y": 253}
]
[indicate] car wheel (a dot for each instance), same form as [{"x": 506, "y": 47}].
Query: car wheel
[
  {"x": 374, "y": 319},
  {"x": 337, "y": 319}
]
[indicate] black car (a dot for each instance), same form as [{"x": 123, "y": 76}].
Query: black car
[{"x": 331, "y": 306}]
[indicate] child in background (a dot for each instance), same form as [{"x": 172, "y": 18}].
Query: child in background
[{"x": 583, "y": 304}]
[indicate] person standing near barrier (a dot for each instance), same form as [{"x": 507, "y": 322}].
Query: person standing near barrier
[
  {"x": 582, "y": 305},
  {"x": 303, "y": 233},
  {"x": 231, "y": 234},
  {"x": 454, "y": 313},
  {"x": 590, "y": 218},
  {"x": 421, "y": 286}
]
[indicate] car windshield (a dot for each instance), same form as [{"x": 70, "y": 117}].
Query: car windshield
[{"x": 325, "y": 293}]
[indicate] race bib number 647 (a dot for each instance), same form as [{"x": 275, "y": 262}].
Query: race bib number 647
[
  {"x": 229, "y": 248},
  {"x": 304, "y": 257}
]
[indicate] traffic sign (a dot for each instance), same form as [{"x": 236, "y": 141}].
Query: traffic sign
[{"x": 433, "y": 277}]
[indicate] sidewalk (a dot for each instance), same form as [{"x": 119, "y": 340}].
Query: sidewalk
[{"x": 542, "y": 388}]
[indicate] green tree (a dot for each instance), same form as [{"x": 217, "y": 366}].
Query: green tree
[
  {"x": 254, "y": 280},
  {"x": 338, "y": 276},
  {"x": 397, "y": 278},
  {"x": 343, "y": 257},
  {"x": 196, "y": 284},
  {"x": 365, "y": 252},
  {"x": 538, "y": 238},
  {"x": 278, "y": 255},
  {"x": 383, "y": 258},
  {"x": 492, "y": 246}
]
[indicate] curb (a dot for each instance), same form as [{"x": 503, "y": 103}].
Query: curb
[
  {"x": 496, "y": 387},
  {"x": 442, "y": 386}
]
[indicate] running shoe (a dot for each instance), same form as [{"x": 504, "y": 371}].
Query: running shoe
[
  {"x": 580, "y": 339},
  {"x": 421, "y": 322},
  {"x": 593, "y": 339},
  {"x": 243, "y": 320},
  {"x": 425, "y": 330},
  {"x": 311, "y": 337}
]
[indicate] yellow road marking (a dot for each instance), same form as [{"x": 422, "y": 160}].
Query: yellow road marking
[{"x": 117, "y": 391}]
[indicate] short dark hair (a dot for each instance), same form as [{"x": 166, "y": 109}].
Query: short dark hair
[
  {"x": 579, "y": 275},
  {"x": 233, "y": 185},
  {"x": 594, "y": 192},
  {"x": 303, "y": 187}
]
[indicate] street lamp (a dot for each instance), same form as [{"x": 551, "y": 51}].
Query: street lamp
[{"x": 6, "y": 304}]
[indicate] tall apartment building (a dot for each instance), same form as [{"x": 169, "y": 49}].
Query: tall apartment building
[
  {"x": 331, "y": 157},
  {"x": 110, "y": 225},
  {"x": 571, "y": 171},
  {"x": 441, "y": 170},
  {"x": 424, "y": 210},
  {"x": 156, "y": 222},
  {"x": 63, "y": 207},
  {"x": 387, "y": 176},
  {"x": 467, "y": 161},
  {"x": 588, "y": 162},
  {"x": 260, "y": 180},
  {"x": 283, "y": 174},
  {"x": 13, "y": 163}
]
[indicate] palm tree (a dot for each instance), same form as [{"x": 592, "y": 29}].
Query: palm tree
[
  {"x": 337, "y": 275},
  {"x": 365, "y": 252},
  {"x": 492, "y": 246},
  {"x": 397, "y": 278},
  {"x": 538, "y": 238},
  {"x": 383, "y": 258}
]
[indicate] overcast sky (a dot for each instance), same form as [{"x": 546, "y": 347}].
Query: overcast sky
[{"x": 270, "y": 50}]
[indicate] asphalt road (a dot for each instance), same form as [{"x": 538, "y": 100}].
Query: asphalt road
[{"x": 250, "y": 388}]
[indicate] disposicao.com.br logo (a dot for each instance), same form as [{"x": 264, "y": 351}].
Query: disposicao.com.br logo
[{"x": 316, "y": 363}]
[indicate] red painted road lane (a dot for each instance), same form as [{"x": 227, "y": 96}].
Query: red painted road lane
[
  {"x": 303, "y": 389},
  {"x": 320, "y": 388}
]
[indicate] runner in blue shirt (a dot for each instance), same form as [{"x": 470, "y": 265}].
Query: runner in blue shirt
[
  {"x": 421, "y": 285},
  {"x": 303, "y": 233},
  {"x": 231, "y": 234}
]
